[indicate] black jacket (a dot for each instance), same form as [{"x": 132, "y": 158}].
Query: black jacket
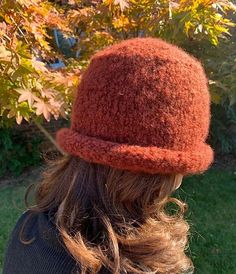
[{"x": 45, "y": 255}]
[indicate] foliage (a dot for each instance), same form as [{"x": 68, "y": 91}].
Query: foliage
[
  {"x": 17, "y": 152},
  {"x": 30, "y": 88},
  {"x": 223, "y": 128},
  {"x": 176, "y": 21},
  {"x": 220, "y": 65}
]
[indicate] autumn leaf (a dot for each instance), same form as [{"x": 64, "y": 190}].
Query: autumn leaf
[
  {"x": 26, "y": 95},
  {"x": 11, "y": 113},
  {"x": 38, "y": 65},
  {"x": 19, "y": 118},
  {"x": 26, "y": 3},
  {"x": 121, "y": 23},
  {"x": 55, "y": 107},
  {"x": 3, "y": 28},
  {"x": 5, "y": 55},
  {"x": 108, "y": 3},
  {"x": 47, "y": 93},
  {"x": 42, "y": 108},
  {"x": 123, "y": 4}
]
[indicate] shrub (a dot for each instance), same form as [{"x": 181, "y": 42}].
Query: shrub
[{"x": 17, "y": 152}]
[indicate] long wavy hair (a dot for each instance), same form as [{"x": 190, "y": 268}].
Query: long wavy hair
[{"x": 116, "y": 220}]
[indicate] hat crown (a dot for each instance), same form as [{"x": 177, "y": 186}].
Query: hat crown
[{"x": 144, "y": 92}]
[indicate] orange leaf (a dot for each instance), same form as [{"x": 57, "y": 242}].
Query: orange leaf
[
  {"x": 43, "y": 108},
  {"x": 26, "y": 95}
]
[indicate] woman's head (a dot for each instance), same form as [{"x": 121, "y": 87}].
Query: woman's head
[
  {"x": 139, "y": 123},
  {"x": 116, "y": 219}
]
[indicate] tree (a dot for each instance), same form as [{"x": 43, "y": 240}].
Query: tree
[{"x": 30, "y": 89}]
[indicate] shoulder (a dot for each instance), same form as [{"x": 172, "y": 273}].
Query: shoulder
[
  {"x": 28, "y": 217},
  {"x": 34, "y": 225},
  {"x": 15, "y": 248},
  {"x": 26, "y": 226},
  {"x": 28, "y": 221},
  {"x": 35, "y": 245}
]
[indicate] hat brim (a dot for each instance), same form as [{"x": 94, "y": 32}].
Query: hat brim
[{"x": 135, "y": 158}]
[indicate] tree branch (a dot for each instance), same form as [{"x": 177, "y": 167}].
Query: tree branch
[{"x": 49, "y": 137}]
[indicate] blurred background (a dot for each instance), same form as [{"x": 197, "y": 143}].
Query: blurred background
[{"x": 44, "y": 48}]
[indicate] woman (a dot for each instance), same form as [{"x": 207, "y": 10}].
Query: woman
[{"x": 139, "y": 124}]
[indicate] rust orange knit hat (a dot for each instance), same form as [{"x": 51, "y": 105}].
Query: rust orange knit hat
[{"x": 142, "y": 105}]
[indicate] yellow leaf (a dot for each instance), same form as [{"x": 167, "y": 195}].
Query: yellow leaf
[
  {"x": 187, "y": 26},
  {"x": 11, "y": 113},
  {"x": 108, "y": 3},
  {"x": 121, "y": 23},
  {"x": 215, "y": 98},
  {"x": 8, "y": 19}
]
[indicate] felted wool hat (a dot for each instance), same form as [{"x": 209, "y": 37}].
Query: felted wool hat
[{"x": 142, "y": 105}]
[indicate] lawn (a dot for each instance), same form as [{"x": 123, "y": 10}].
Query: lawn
[
  {"x": 212, "y": 214},
  {"x": 11, "y": 207}
]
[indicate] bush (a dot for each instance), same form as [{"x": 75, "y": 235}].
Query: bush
[
  {"x": 17, "y": 152},
  {"x": 223, "y": 129}
]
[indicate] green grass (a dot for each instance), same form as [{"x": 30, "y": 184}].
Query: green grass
[
  {"x": 212, "y": 215},
  {"x": 11, "y": 207}
]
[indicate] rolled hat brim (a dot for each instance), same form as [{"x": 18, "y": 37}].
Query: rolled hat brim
[{"x": 135, "y": 158}]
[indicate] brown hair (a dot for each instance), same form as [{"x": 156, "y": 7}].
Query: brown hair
[{"x": 114, "y": 219}]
